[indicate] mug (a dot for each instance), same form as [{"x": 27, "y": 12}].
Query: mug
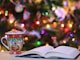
[{"x": 14, "y": 41}]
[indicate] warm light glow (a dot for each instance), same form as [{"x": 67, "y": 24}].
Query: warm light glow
[
  {"x": 64, "y": 41},
  {"x": 74, "y": 31},
  {"x": 37, "y": 22},
  {"x": 6, "y": 13},
  {"x": 53, "y": 8},
  {"x": 73, "y": 39},
  {"x": 0, "y": 13},
  {"x": 70, "y": 25},
  {"x": 11, "y": 21},
  {"x": 37, "y": 1},
  {"x": 48, "y": 26},
  {"x": 6, "y": 36},
  {"x": 2, "y": 50},
  {"x": 26, "y": 38},
  {"x": 46, "y": 44},
  {"x": 62, "y": 25},
  {"x": 44, "y": 21},
  {"x": 22, "y": 25},
  {"x": 54, "y": 25},
  {"x": 13, "y": 30}
]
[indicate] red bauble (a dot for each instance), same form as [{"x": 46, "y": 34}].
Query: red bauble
[{"x": 66, "y": 30}]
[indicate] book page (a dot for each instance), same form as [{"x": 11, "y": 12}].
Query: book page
[
  {"x": 67, "y": 50},
  {"x": 63, "y": 51},
  {"x": 39, "y": 50}
]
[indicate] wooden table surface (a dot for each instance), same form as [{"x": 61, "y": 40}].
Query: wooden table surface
[{"x": 7, "y": 56}]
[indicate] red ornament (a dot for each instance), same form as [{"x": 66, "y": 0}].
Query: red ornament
[{"x": 66, "y": 30}]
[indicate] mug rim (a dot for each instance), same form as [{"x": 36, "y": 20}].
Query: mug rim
[{"x": 14, "y": 33}]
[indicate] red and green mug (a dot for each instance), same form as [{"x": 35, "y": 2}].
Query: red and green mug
[{"x": 14, "y": 41}]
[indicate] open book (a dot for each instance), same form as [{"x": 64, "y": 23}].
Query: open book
[{"x": 50, "y": 52}]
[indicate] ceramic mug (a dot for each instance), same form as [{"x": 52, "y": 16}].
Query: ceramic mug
[{"x": 14, "y": 41}]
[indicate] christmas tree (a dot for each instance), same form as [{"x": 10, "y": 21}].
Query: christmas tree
[{"x": 50, "y": 22}]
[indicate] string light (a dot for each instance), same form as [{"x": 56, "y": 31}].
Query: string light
[
  {"x": 70, "y": 25},
  {"x": 74, "y": 31},
  {"x": 64, "y": 41},
  {"x": 53, "y": 8},
  {"x": 37, "y": 22},
  {"x": 62, "y": 25},
  {"x": 73, "y": 39},
  {"x": 66, "y": 30},
  {"x": 0, "y": 13},
  {"x": 2, "y": 50},
  {"x": 47, "y": 13},
  {"x": 6, "y": 36},
  {"x": 11, "y": 21},
  {"x": 65, "y": 3},
  {"x": 47, "y": 44},
  {"x": 42, "y": 31},
  {"x": 6, "y": 12},
  {"x": 71, "y": 35},
  {"x": 38, "y": 43},
  {"x": 22, "y": 25},
  {"x": 54, "y": 25},
  {"x": 26, "y": 38},
  {"x": 48, "y": 26},
  {"x": 44, "y": 21}
]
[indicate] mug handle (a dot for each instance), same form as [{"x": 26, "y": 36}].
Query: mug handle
[{"x": 4, "y": 43}]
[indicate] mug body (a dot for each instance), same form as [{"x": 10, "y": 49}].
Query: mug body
[{"x": 15, "y": 42}]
